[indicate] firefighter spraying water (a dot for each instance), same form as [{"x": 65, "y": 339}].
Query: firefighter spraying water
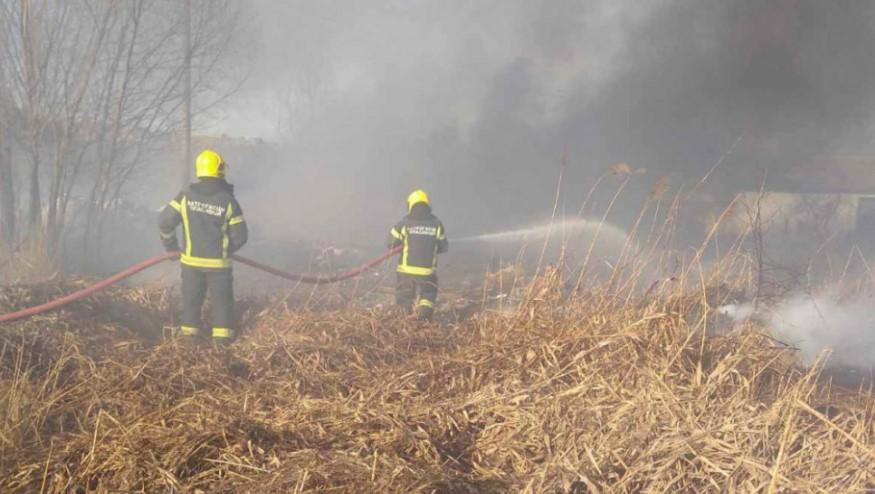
[{"x": 422, "y": 236}]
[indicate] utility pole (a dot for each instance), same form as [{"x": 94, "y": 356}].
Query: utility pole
[{"x": 186, "y": 107}]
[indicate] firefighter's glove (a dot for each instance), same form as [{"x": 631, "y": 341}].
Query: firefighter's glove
[{"x": 171, "y": 244}]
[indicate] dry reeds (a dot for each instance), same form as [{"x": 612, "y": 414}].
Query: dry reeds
[
  {"x": 564, "y": 397},
  {"x": 560, "y": 386}
]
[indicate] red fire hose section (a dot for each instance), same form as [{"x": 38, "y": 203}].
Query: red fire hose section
[
  {"x": 148, "y": 263},
  {"x": 315, "y": 279}
]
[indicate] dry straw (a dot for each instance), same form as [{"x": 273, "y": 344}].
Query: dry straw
[
  {"x": 568, "y": 397},
  {"x": 558, "y": 387}
]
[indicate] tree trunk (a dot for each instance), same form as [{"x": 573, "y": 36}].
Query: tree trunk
[
  {"x": 7, "y": 195},
  {"x": 30, "y": 80},
  {"x": 34, "y": 209},
  {"x": 53, "y": 221}
]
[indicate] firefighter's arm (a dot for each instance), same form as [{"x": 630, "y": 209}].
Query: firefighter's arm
[
  {"x": 443, "y": 244},
  {"x": 238, "y": 233},
  {"x": 168, "y": 220},
  {"x": 396, "y": 237}
]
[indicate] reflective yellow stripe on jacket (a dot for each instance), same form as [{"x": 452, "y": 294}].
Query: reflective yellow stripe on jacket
[
  {"x": 225, "y": 239},
  {"x": 200, "y": 262},
  {"x": 404, "y": 267},
  {"x": 183, "y": 211},
  {"x": 415, "y": 270},
  {"x": 204, "y": 262},
  {"x": 406, "y": 250}
]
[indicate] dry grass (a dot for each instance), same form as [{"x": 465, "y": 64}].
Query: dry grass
[
  {"x": 28, "y": 262},
  {"x": 560, "y": 396}
]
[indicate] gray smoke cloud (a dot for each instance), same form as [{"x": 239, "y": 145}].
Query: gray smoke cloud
[
  {"x": 826, "y": 321},
  {"x": 351, "y": 105},
  {"x": 476, "y": 101},
  {"x": 466, "y": 100}
]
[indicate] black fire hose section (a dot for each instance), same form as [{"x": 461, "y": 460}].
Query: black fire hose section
[{"x": 152, "y": 261}]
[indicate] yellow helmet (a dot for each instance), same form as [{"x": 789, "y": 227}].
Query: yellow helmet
[
  {"x": 417, "y": 197},
  {"x": 209, "y": 164}
]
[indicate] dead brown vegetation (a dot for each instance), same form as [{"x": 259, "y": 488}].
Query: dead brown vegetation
[{"x": 560, "y": 396}]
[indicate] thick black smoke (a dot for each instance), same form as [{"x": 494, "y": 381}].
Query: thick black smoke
[{"x": 793, "y": 78}]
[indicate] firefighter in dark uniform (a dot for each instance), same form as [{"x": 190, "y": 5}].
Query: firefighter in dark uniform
[
  {"x": 423, "y": 237},
  {"x": 213, "y": 225}
]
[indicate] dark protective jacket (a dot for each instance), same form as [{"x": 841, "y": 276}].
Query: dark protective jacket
[
  {"x": 212, "y": 222},
  {"x": 423, "y": 237}
]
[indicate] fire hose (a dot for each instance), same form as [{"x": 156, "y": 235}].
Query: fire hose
[{"x": 314, "y": 279}]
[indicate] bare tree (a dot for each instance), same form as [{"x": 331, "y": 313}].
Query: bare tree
[
  {"x": 96, "y": 85},
  {"x": 149, "y": 90}
]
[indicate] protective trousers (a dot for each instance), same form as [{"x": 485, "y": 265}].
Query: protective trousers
[
  {"x": 220, "y": 284},
  {"x": 427, "y": 289}
]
